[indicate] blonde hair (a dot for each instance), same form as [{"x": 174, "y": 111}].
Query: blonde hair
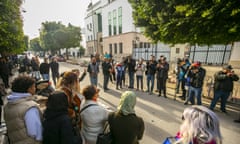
[{"x": 200, "y": 124}]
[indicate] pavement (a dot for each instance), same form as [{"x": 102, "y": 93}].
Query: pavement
[{"x": 233, "y": 108}]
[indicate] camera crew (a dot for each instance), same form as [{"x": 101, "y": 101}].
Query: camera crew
[
  {"x": 223, "y": 86},
  {"x": 196, "y": 74}
]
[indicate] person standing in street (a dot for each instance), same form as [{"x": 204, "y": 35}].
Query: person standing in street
[
  {"x": 106, "y": 68},
  {"x": 4, "y": 72},
  {"x": 196, "y": 74},
  {"x": 55, "y": 70},
  {"x": 44, "y": 69},
  {"x": 93, "y": 115},
  {"x": 162, "y": 76},
  {"x": 223, "y": 86},
  {"x": 182, "y": 70},
  {"x": 120, "y": 70},
  {"x": 151, "y": 70},
  {"x": 125, "y": 126},
  {"x": 93, "y": 70},
  {"x": 131, "y": 63},
  {"x": 22, "y": 114},
  {"x": 140, "y": 69}
]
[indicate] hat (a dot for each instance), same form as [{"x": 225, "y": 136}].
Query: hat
[{"x": 227, "y": 67}]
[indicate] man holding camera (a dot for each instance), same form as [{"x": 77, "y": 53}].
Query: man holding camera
[
  {"x": 223, "y": 86},
  {"x": 196, "y": 74}
]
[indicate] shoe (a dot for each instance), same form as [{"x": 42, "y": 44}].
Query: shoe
[
  {"x": 156, "y": 90},
  {"x": 106, "y": 89},
  {"x": 237, "y": 121},
  {"x": 159, "y": 95},
  {"x": 165, "y": 96},
  {"x": 186, "y": 103},
  {"x": 224, "y": 111}
]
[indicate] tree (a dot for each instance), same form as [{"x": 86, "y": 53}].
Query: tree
[
  {"x": 11, "y": 27},
  {"x": 35, "y": 45},
  {"x": 55, "y": 36},
  {"x": 181, "y": 21}
]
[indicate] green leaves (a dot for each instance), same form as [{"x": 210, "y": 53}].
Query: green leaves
[
  {"x": 11, "y": 27},
  {"x": 55, "y": 36},
  {"x": 188, "y": 21}
]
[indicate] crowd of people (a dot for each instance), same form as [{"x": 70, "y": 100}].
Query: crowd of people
[{"x": 74, "y": 116}]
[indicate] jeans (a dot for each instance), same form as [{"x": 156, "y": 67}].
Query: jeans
[
  {"x": 94, "y": 80},
  {"x": 182, "y": 83},
  {"x": 150, "y": 78},
  {"x": 195, "y": 92},
  {"x": 131, "y": 79},
  {"x": 140, "y": 80},
  {"x": 105, "y": 81},
  {"x": 220, "y": 94},
  {"x": 45, "y": 76}
]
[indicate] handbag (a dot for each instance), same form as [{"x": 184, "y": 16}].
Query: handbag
[{"x": 105, "y": 137}]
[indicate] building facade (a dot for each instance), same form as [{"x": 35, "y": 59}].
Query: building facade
[{"x": 93, "y": 28}]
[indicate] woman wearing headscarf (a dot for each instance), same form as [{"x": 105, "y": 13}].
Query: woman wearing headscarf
[
  {"x": 125, "y": 126},
  {"x": 57, "y": 124},
  {"x": 93, "y": 115},
  {"x": 200, "y": 126}
]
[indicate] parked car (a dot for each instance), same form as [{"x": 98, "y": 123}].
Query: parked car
[{"x": 61, "y": 58}]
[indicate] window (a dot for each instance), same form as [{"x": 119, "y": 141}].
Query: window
[
  {"x": 99, "y": 16},
  {"x": 177, "y": 50},
  {"x": 110, "y": 48},
  {"x": 109, "y": 24},
  {"x": 114, "y": 22},
  {"x": 141, "y": 45},
  {"x": 145, "y": 45},
  {"x": 120, "y": 48},
  {"x": 120, "y": 20},
  {"x": 115, "y": 48}
]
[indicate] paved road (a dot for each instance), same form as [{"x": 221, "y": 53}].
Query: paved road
[{"x": 162, "y": 117}]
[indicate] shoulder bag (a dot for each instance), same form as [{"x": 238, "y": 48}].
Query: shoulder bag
[{"x": 105, "y": 137}]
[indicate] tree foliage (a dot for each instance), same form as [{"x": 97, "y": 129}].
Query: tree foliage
[
  {"x": 35, "y": 44},
  {"x": 193, "y": 21},
  {"x": 11, "y": 27},
  {"x": 55, "y": 36}
]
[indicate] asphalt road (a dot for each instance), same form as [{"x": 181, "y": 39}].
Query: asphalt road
[{"x": 162, "y": 117}]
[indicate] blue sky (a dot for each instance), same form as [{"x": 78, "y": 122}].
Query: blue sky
[{"x": 66, "y": 11}]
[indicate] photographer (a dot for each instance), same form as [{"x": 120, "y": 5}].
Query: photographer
[
  {"x": 162, "y": 76},
  {"x": 223, "y": 86},
  {"x": 151, "y": 70},
  {"x": 196, "y": 74}
]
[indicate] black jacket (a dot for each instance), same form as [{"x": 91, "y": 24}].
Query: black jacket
[
  {"x": 162, "y": 72},
  {"x": 105, "y": 68},
  {"x": 44, "y": 68},
  {"x": 224, "y": 82},
  {"x": 151, "y": 68},
  {"x": 57, "y": 125},
  {"x": 126, "y": 129},
  {"x": 197, "y": 79}
]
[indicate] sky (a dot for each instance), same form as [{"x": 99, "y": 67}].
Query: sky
[{"x": 66, "y": 11}]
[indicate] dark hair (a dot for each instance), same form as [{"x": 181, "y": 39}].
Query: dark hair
[
  {"x": 22, "y": 84},
  {"x": 89, "y": 91},
  {"x": 69, "y": 78}
]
